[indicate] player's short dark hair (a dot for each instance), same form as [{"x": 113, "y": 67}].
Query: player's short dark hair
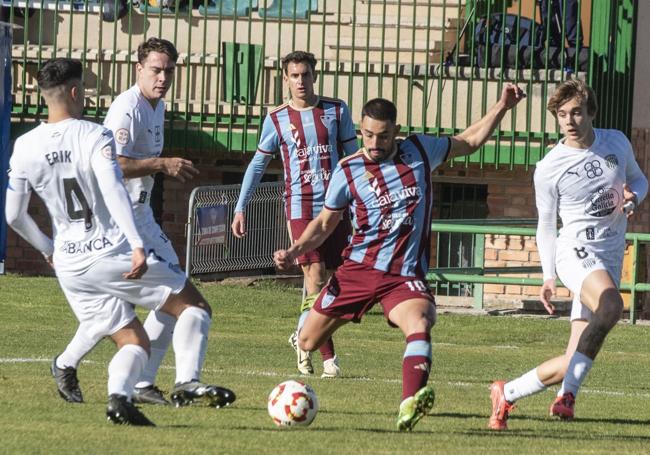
[
  {"x": 573, "y": 88},
  {"x": 299, "y": 57},
  {"x": 156, "y": 45},
  {"x": 379, "y": 109},
  {"x": 58, "y": 71}
]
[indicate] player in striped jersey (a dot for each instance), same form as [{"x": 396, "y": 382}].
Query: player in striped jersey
[
  {"x": 310, "y": 133},
  {"x": 387, "y": 187}
]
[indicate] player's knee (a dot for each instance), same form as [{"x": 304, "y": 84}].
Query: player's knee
[
  {"x": 428, "y": 318},
  {"x": 305, "y": 343},
  {"x": 610, "y": 308}
]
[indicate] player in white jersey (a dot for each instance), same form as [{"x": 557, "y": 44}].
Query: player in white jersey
[
  {"x": 136, "y": 118},
  {"x": 71, "y": 164},
  {"x": 100, "y": 297},
  {"x": 593, "y": 181}
]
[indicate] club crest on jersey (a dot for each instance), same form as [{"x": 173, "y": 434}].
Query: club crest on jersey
[
  {"x": 602, "y": 203},
  {"x": 406, "y": 157},
  {"x": 327, "y": 120},
  {"x": 122, "y": 136},
  {"x": 611, "y": 161}
]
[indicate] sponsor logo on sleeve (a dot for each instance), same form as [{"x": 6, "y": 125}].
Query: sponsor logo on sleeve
[
  {"x": 122, "y": 136},
  {"x": 108, "y": 152}
]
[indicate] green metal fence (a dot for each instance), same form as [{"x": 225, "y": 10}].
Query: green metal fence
[
  {"x": 424, "y": 55},
  {"x": 479, "y": 274}
]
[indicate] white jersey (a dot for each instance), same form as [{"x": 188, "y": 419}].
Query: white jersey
[
  {"x": 138, "y": 129},
  {"x": 585, "y": 186},
  {"x": 59, "y": 162}
]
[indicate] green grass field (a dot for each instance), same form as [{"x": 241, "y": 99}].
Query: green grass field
[{"x": 248, "y": 352}]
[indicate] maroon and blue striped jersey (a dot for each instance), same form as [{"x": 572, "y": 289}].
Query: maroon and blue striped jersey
[{"x": 390, "y": 203}]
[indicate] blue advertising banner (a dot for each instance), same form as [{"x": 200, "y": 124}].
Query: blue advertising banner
[{"x": 5, "y": 123}]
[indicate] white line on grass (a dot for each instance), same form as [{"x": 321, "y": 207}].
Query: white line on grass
[{"x": 358, "y": 378}]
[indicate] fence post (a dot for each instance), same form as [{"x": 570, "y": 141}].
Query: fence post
[
  {"x": 479, "y": 261},
  {"x": 5, "y": 124}
]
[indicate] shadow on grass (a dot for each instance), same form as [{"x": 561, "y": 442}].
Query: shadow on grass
[{"x": 579, "y": 420}]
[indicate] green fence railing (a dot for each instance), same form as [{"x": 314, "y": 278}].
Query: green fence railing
[
  {"x": 440, "y": 61},
  {"x": 479, "y": 274}
]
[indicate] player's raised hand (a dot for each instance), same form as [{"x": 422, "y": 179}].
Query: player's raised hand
[
  {"x": 546, "y": 292},
  {"x": 511, "y": 95},
  {"x": 180, "y": 169},
  {"x": 238, "y": 225},
  {"x": 138, "y": 265},
  {"x": 629, "y": 201},
  {"x": 283, "y": 259}
]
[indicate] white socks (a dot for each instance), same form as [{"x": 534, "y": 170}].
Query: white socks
[
  {"x": 78, "y": 347},
  {"x": 190, "y": 341},
  {"x": 525, "y": 385},
  {"x": 125, "y": 369},
  {"x": 579, "y": 367},
  {"x": 160, "y": 328}
]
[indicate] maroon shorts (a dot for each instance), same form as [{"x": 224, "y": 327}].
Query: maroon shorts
[
  {"x": 355, "y": 288},
  {"x": 330, "y": 251}
]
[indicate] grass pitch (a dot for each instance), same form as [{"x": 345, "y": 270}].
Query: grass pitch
[{"x": 248, "y": 351}]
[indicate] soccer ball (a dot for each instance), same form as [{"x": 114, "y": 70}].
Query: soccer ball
[{"x": 292, "y": 403}]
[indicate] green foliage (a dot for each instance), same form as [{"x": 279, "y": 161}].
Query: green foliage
[{"x": 248, "y": 351}]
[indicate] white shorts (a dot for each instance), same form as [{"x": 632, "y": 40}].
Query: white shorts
[
  {"x": 156, "y": 242},
  {"x": 102, "y": 300},
  {"x": 575, "y": 262}
]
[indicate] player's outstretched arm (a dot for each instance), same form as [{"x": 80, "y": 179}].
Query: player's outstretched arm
[
  {"x": 20, "y": 221},
  {"x": 315, "y": 234},
  {"x": 178, "y": 168},
  {"x": 479, "y": 132}
]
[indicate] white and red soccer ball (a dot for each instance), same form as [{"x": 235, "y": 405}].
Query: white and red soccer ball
[{"x": 292, "y": 403}]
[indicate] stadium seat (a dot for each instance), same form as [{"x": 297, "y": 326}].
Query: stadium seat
[
  {"x": 287, "y": 11},
  {"x": 228, "y": 7}
]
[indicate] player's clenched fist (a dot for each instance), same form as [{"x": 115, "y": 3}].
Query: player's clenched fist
[{"x": 283, "y": 260}]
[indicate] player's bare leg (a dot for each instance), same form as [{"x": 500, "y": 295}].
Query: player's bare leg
[
  {"x": 315, "y": 276},
  {"x": 551, "y": 372},
  {"x": 600, "y": 294}
]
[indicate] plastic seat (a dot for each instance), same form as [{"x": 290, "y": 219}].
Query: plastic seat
[
  {"x": 228, "y": 8},
  {"x": 301, "y": 11}
]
